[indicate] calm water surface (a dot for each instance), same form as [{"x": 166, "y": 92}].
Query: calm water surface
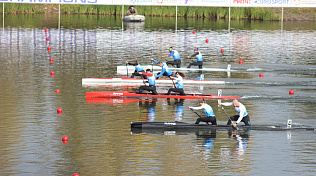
[{"x": 100, "y": 137}]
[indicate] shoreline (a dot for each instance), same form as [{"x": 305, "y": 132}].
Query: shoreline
[{"x": 237, "y": 13}]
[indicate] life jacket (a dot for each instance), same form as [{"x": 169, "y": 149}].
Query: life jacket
[
  {"x": 176, "y": 55},
  {"x": 132, "y": 11},
  {"x": 199, "y": 57},
  {"x": 151, "y": 80},
  {"x": 138, "y": 68}
]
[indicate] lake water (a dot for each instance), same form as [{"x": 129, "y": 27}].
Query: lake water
[{"x": 100, "y": 137}]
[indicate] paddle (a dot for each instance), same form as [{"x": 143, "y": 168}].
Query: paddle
[
  {"x": 229, "y": 118},
  {"x": 196, "y": 113},
  {"x": 173, "y": 82},
  {"x": 126, "y": 71}
]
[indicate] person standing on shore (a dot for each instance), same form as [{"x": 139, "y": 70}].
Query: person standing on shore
[
  {"x": 176, "y": 57},
  {"x": 199, "y": 59}
]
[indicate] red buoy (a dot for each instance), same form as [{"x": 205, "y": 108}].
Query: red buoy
[
  {"x": 65, "y": 138},
  {"x": 59, "y": 111},
  {"x": 45, "y": 30},
  {"x": 206, "y": 40},
  {"x": 261, "y": 75},
  {"x": 47, "y": 38},
  {"x": 291, "y": 92},
  {"x": 194, "y": 32},
  {"x": 75, "y": 174},
  {"x": 49, "y": 48},
  {"x": 51, "y": 60},
  {"x": 240, "y": 61},
  {"x": 222, "y": 51},
  {"x": 57, "y": 91},
  {"x": 52, "y": 73}
]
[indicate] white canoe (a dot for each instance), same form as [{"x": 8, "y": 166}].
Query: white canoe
[
  {"x": 122, "y": 69},
  {"x": 125, "y": 81},
  {"x": 134, "y": 18}
]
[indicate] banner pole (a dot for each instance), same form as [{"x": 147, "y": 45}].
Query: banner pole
[
  {"x": 3, "y": 16},
  {"x": 229, "y": 20},
  {"x": 59, "y": 16}
]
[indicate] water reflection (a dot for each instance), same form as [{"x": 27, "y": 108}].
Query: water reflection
[
  {"x": 241, "y": 139},
  {"x": 178, "y": 106},
  {"x": 150, "y": 107}
]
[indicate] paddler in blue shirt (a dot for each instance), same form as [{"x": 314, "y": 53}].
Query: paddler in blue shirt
[
  {"x": 199, "y": 59},
  {"x": 242, "y": 113},
  {"x": 165, "y": 71},
  {"x": 138, "y": 69},
  {"x": 176, "y": 57},
  {"x": 208, "y": 110},
  {"x": 151, "y": 83},
  {"x": 179, "y": 87}
]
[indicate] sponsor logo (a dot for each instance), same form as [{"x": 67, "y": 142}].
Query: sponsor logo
[
  {"x": 117, "y": 94},
  {"x": 166, "y": 1},
  {"x": 271, "y": 2},
  {"x": 169, "y": 123},
  {"x": 169, "y": 132},
  {"x": 118, "y": 101},
  {"x": 241, "y": 1},
  {"x": 141, "y": 1}
]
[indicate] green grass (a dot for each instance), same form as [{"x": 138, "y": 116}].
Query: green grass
[{"x": 259, "y": 13}]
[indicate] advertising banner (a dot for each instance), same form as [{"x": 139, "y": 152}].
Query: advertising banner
[
  {"x": 304, "y": 3},
  {"x": 261, "y": 3},
  {"x": 87, "y": 2},
  {"x": 219, "y": 3},
  {"x": 206, "y": 3},
  {"x": 133, "y": 2}
]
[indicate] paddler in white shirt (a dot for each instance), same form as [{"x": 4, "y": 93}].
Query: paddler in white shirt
[
  {"x": 208, "y": 110},
  {"x": 242, "y": 113}
]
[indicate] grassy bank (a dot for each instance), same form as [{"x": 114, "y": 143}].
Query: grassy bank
[{"x": 259, "y": 13}]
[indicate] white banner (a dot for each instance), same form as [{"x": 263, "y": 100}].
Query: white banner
[
  {"x": 206, "y": 3},
  {"x": 261, "y": 3},
  {"x": 304, "y": 3}
]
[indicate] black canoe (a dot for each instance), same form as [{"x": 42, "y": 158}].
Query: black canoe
[{"x": 182, "y": 125}]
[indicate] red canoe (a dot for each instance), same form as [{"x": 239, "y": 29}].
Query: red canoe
[{"x": 116, "y": 94}]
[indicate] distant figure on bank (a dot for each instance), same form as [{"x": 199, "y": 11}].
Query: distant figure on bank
[
  {"x": 179, "y": 87},
  {"x": 208, "y": 111},
  {"x": 151, "y": 83},
  {"x": 242, "y": 113},
  {"x": 176, "y": 57},
  {"x": 199, "y": 59},
  {"x": 131, "y": 10},
  {"x": 138, "y": 69}
]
